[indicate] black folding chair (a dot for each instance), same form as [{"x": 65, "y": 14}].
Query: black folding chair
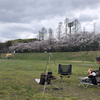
[{"x": 64, "y": 70}]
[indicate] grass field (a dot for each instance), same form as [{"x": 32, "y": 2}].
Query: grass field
[
  {"x": 17, "y": 76},
  {"x": 83, "y": 56}
]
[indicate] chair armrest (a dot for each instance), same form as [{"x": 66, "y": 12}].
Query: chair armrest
[{"x": 83, "y": 78}]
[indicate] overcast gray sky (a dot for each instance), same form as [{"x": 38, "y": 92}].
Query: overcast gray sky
[{"x": 24, "y": 18}]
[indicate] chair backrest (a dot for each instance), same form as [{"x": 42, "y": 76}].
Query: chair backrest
[{"x": 65, "y": 69}]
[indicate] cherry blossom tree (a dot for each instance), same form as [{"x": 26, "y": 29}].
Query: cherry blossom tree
[{"x": 73, "y": 42}]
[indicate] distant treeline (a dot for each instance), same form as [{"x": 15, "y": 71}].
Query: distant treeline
[
  {"x": 24, "y": 40},
  {"x": 5, "y": 45},
  {"x": 83, "y": 41}
]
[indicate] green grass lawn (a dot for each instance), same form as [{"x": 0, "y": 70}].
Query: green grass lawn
[
  {"x": 17, "y": 77},
  {"x": 83, "y": 56}
]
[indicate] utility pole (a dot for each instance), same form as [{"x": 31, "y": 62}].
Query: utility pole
[{"x": 70, "y": 25}]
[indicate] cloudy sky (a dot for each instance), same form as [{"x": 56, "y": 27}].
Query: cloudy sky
[{"x": 24, "y": 18}]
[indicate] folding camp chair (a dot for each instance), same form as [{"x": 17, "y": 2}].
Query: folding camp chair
[
  {"x": 85, "y": 82},
  {"x": 64, "y": 70}
]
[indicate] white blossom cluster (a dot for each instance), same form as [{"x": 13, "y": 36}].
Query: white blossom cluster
[{"x": 77, "y": 40}]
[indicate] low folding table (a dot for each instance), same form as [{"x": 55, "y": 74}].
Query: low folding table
[{"x": 85, "y": 82}]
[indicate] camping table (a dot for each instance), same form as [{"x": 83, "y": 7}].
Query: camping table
[
  {"x": 53, "y": 80},
  {"x": 83, "y": 82}
]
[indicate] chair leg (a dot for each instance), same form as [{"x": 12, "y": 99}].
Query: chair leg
[
  {"x": 51, "y": 88},
  {"x": 79, "y": 84},
  {"x": 85, "y": 86},
  {"x": 69, "y": 79},
  {"x": 57, "y": 87},
  {"x": 62, "y": 82},
  {"x": 54, "y": 86},
  {"x": 45, "y": 84}
]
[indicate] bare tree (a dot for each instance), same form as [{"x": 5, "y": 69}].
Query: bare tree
[
  {"x": 50, "y": 33},
  {"x": 43, "y": 33},
  {"x": 59, "y": 30},
  {"x": 84, "y": 29},
  {"x": 94, "y": 29},
  {"x": 66, "y": 25},
  {"x": 39, "y": 35},
  {"x": 77, "y": 26}
]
